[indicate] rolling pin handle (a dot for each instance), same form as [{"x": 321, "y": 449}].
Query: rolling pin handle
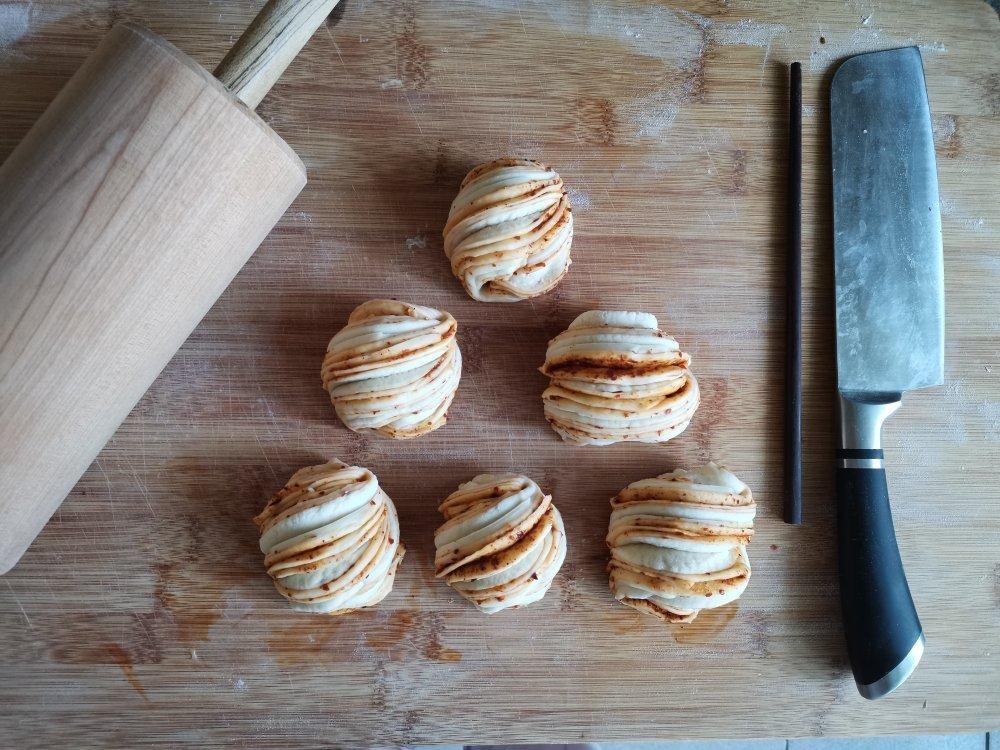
[{"x": 269, "y": 45}]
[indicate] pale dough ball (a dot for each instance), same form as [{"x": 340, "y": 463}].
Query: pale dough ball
[
  {"x": 615, "y": 377},
  {"x": 509, "y": 231},
  {"x": 394, "y": 368},
  {"x": 678, "y": 542},
  {"x": 330, "y": 539},
  {"x": 502, "y": 543}
]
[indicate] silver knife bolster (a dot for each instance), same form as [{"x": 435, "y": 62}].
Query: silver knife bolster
[{"x": 861, "y": 418}]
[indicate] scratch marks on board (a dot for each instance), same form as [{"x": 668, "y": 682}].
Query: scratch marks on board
[
  {"x": 682, "y": 42},
  {"x": 653, "y": 114},
  {"x": 328, "y": 27},
  {"x": 679, "y": 43},
  {"x": 654, "y": 31},
  {"x": 410, "y": 64},
  {"x": 830, "y": 46},
  {"x": 20, "y": 606},
  {"x": 747, "y": 33},
  {"x": 520, "y": 16}
]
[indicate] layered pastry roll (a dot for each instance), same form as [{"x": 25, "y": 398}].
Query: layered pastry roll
[
  {"x": 502, "y": 541},
  {"x": 509, "y": 231},
  {"x": 330, "y": 539},
  {"x": 393, "y": 369},
  {"x": 678, "y": 542},
  {"x": 615, "y": 377}
]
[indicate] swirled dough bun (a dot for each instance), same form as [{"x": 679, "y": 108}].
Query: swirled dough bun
[
  {"x": 509, "y": 231},
  {"x": 615, "y": 377},
  {"x": 678, "y": 542},
  {"x": 393, "y": 369},
  {"x": 502, "y": 542},
  {"x": 330, "y": 539}
]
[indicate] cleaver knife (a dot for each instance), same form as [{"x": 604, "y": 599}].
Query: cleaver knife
[{"x": 890, "y": 336}]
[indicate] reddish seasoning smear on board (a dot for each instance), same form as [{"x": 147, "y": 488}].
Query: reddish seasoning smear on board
[{"x": 118, "y": 655}]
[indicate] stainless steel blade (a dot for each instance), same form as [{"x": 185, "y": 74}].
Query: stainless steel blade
[{"x": 887, "y": 226}]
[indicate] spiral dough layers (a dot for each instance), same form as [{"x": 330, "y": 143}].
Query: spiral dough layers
[
  {"x": 330, "y": 539},
  {"x": 615, "y": 376},
  {"x": 502, "y": 542},
  {"x": 678, "y": 542},
  {"x": 509, "y": 231},
  {"x": 394, "y": 368}
]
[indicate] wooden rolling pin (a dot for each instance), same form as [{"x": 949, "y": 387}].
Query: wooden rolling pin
[{"x": 124, "y": 214}]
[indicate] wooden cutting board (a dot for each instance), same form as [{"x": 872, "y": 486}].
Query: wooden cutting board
[{"x": 142, "y": 616}]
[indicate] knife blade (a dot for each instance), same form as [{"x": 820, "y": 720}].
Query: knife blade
[{"x": 889, "y": 299}]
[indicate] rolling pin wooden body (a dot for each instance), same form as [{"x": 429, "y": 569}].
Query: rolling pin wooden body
[{"x": 124, "y": 214}]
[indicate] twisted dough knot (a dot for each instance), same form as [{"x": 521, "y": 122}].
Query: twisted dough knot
[
  {"x": 502, "y": 543},
  {"x": 330, "y": 539},
  {"x": 616, "y": 377},
  {"x": 394, "y": 368},
  {"x": 509, "y": 231},
  {"x": 678, "y": 542}
]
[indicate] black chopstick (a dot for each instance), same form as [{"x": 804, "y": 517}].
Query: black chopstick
[{"x": 793, "y": 305}]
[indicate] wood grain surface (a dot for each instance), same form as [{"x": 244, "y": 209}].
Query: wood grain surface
[{"x": 142, "y": 616}]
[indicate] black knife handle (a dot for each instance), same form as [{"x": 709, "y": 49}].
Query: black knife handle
[{"x": 884, "y": 637}]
